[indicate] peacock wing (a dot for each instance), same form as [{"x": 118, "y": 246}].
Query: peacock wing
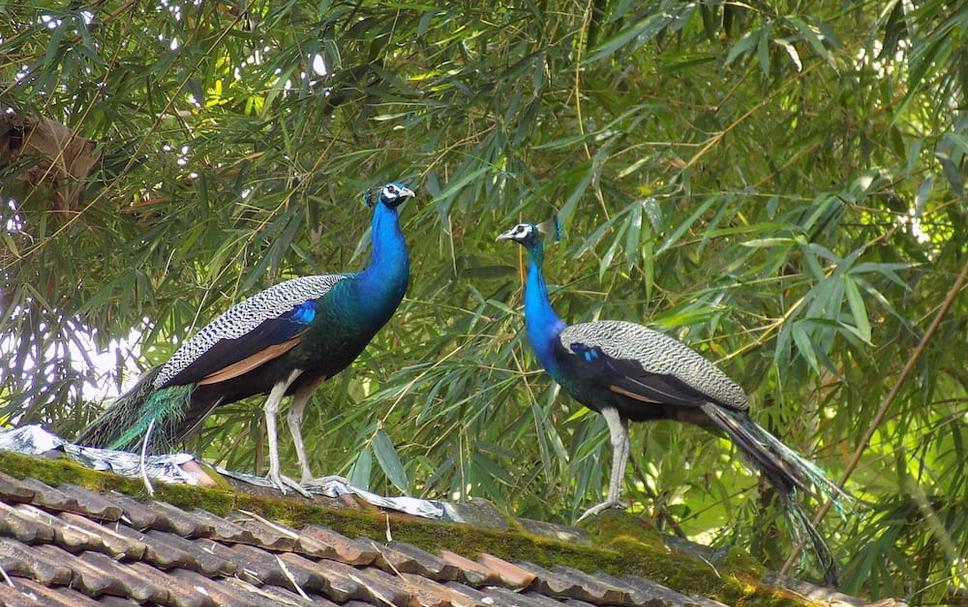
[
  {"x": 249, "y": 334},
  {"x": 646, "y": 365}
]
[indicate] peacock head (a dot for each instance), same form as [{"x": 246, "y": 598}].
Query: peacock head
[
  {"x": 530, "y": 234},
  {"x": 391, "y": 195}
]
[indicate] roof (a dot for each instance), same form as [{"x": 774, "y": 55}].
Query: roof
[{"x": 97, "y": 540}]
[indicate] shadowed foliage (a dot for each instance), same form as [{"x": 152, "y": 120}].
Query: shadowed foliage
[{"x": 779, "y": 185}]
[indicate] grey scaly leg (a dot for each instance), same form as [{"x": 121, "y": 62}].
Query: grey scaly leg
[
  {"x": 620, "y": 457},
  {"x": 272, "y": 410},
  {"x": 299, "y": 400}
]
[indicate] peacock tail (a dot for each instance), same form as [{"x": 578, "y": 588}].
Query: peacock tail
[{"x": 124, "y": 423}]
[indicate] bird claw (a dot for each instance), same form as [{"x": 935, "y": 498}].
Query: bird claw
[
  {"x": 599, "y": 508},
  {"x": 281, "y": 482}
]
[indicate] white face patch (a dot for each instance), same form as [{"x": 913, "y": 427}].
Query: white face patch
[
  {"x": 390, "y": 192},
  {"x": 523, "y": 230}
]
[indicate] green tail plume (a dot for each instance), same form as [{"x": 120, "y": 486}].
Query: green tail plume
[
  {"x": 787, "y": 471},
  {"x": 123, "y": 425},
  {"x": 807, "y": 534}
]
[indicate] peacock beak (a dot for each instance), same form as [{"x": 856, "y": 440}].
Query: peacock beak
[
  {"x": 509, "y": 235},
  {"x": 406, "y": 193}
]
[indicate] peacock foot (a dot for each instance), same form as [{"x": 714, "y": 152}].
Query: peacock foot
[
  {"x": 282, "y": 482},
  {"x": 599, "y": 508}
]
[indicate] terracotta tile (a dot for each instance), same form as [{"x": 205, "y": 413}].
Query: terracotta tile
[
  {"x": 204, "y": 560},
  {"x": 115, "y": 545},
  {"x": 306, "y": 575},
  {"x": 179, "y": 594},
  {"x": 116, "y": 601},
  {"x": 59, "y": 597},
  {"x": 223, "y": 530},
  {"x": 48, "y": 497},
  {"x": 224, "y": 595},
  {"x": 470, "y": 571},
  {"x": 508, "y": 598},
  {"x": 553, "y": 584},
  {"x": 160, "y": 516},
  {"x": 267, "y": 534},
  {"x": 158, "y": 550},
  {"x": 92, "y": 504},
  {"x": 383, "y": 588},
  {"x": 429, "y": 593},
  {"x": 342, "y": 581},
  {"x": 545, "y": 601},
  {"x": 649, "y": 593},
  {"x": 87, "y": 578},
  {"x": 66, "y": 535},
  {"x": 509, "y": 574},
  {"x": 252, "y": 564},
  {"x": 180, "y": 522},
  {"x": 21, "y": 560},
  {"x": 392, "y": 560},
  {"x": 279, "y": 597},
  {"x": 136, "y": 514},
  {"x": 599, "y": 589},
  {"x": 477, "y": 595},
  {"x": 13, "y": 490},
  {"x": 15, "y": 597},
  {"x": 426, "y": 564},
  {"x": 347, "y": 551},
  {"x": 136, "y": 586},
  {"x": 24, "y": 527}
]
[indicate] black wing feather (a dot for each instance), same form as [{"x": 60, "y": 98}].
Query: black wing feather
[
  {"x": 591, "y": 363},
  {"x": 227, "y": 352}
]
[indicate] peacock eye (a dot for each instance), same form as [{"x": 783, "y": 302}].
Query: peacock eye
[{"x": 391, "y": 189}]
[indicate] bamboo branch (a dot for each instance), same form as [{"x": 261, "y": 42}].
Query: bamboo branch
[{"x": 888, "y": 399}]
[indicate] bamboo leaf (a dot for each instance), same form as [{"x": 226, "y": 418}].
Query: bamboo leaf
[
  {"x": 857, "y": 308},
  {"x": 805, "y": 346},
  {"x": 386, "y": 456}
]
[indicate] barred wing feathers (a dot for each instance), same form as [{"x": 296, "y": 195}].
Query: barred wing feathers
[
  {"x": 250, "y": 333},
  {"x": 651, "y": 366}
]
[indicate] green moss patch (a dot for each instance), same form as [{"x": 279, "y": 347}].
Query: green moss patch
[{"x": 621, "y": 544}]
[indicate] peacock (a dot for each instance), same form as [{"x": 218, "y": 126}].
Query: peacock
[
  {"x": 627, "y": 373},
  {"x": 284, "y": 340}
]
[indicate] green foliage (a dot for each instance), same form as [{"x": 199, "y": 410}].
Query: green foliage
[{"x": 781, "y": 187}]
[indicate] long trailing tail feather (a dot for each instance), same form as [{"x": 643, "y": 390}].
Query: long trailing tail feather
[
  {"x": 124, "y": 423},
  {"x": 787, "y": 471},
  {"x": 806, "y": 533}
]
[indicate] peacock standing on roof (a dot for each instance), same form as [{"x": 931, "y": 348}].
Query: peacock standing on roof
[
  {"x": 285, "y": 340},
  {"x": 627, "y": 373}
]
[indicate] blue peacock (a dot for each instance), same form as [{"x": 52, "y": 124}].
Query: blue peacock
[
  {"x": 285, "y": 340},
  {"x": 627, "y": 373}
]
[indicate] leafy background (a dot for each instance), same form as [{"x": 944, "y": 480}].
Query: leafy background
[{"x": 780, "y": 185}]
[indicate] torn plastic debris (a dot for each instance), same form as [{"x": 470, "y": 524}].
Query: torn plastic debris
[
  {"x": 178, "y": 468},
  {"x": 335, "y": 486},
  {"x": 35, "y": 440}
]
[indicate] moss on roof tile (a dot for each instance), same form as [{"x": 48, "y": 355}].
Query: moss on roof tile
[{"x": 618, "y": 546}]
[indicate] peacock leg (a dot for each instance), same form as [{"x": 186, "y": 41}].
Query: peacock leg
[
  {"x": 299, "y": 400},
  {"x": 620, "y": 456},
  {"x": 271, "y": 411}
]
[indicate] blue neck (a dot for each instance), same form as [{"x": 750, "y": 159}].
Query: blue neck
[
  {"x": 384, "y": 281},
  {"x": 540, "y": 319}
]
